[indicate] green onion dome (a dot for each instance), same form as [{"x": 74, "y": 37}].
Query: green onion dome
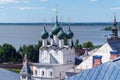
[
  {"x": 56, "y": 27},
  {"x": 44, "y": 34},
  {"x": 61, "y": 34},
  {"x": 51, "y": 35},
  {"x": 69, "y": 34}
]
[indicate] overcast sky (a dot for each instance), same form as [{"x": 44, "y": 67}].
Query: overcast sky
[{"x": 74, "y": 10}]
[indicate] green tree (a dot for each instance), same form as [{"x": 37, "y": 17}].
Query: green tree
[
  {"x": 88, "y": 45},
  {"x": 78, "y": 45},
  {"x": 8, "y": 53},
  {"x": 32, "y": 51}
]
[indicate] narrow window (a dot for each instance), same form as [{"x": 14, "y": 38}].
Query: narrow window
[
  {"x": 23, "y": 77},
  {"x": 50, "y": 73},
  {"x": 67, "y": 60},
  {"x": 43, "y": 73},
  {"x": 35, "y": 72}
]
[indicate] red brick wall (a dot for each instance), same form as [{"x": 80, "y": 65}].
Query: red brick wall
[
  {"x": 96, "y": 62},
  {"x": 113, "y": 56}
]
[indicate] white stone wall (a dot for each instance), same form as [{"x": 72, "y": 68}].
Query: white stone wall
[
  {"x": 58, "y": 55},
  {"x": 40, "y": 71},
  {"x": 61, "y": 43},
  {"x": 44, "y": 56},
  {"x": 44, "y": 42},
  {"x": 58, "y": 71},
  {"x": 66, "y": 55},
  {"x": 55, "y": 39},
  {"x": 69, "y": 55}
]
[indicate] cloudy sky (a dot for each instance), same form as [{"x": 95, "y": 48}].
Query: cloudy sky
[{"x": 15, "y": 11}]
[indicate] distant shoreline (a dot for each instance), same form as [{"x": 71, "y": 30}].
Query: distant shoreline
[
  {"x": 110, "y": 28},
  {"x": 63, "y": 23}
]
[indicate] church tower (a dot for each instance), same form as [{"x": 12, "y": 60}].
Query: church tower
[
  {"x": 25, "y": 73},
  {"x": 114, "y": 28},
  {"x": 55, "y": 30},
  {"x": 114, "y": 31},
  {"x": 61, "y": 36},
  {"x": 69, "y": 35},
  {"x": 44, "y": 37}
]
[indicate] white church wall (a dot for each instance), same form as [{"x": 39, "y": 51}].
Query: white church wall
[
  {"x": 43, "y": 71},
  {"x": 44, "y": 56},
  {"x": 61, "y": 70},
  {"x": 57, "y": 55},
  {"x": 68, "y": 55},
  {"x": 55, "y": 39}
]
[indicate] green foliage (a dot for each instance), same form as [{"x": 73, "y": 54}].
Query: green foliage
[
  {"x": 14, "y": 70},
  {"x": 32, "y": 51},
  {"x": 109, "y": 28},
  {"x": 77, "y": 45},
  {"x": 8, "y": 53},
  {"x": 88, "y": 45}
]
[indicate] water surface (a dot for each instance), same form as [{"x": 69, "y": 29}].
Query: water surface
[{"x": 18, "y": 35}]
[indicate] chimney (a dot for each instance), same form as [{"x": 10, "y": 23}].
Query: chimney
[
  {"x": 97, "y": 60},
  {"x": 113, "y": 54}
]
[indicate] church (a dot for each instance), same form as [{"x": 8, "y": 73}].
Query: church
[{"x": 54, "y": 59}]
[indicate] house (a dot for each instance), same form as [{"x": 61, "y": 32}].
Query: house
[{"x": 106, "y": 71}]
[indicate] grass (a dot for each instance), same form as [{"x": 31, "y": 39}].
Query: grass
[{"x": 14, "y": 70}]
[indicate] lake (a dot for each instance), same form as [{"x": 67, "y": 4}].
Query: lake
[{"x": 18, "y": 35}]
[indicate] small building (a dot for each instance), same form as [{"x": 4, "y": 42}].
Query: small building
[{"x": 106, "y": 71}]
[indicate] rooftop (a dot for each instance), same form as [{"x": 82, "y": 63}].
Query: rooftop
[
  {"x": 8, "y": 75},
  {"x": 107, "y": 71}
]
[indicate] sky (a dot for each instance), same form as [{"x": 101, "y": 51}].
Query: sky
[{"x": 35, "y": 11}]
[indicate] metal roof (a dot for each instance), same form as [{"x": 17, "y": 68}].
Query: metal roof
[
  {"x": 106, "y": 71},
  {"x": 115, "y": 45},
  {"x": 8, "y": 75}
]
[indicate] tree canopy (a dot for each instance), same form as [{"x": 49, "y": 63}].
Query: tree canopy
[{"x": 8, "y": 53}]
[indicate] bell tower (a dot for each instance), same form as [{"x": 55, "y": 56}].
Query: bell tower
[
  {"x": 114, "y": 28},
  {"x": 25, "y": 73}
]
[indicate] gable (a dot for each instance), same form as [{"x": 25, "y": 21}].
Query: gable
[{"x": 104, "y": 51}]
